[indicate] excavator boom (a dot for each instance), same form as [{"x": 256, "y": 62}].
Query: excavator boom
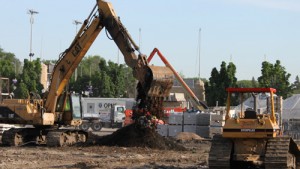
[
  {"x": 154, "y": 81},
  {"x": 196, "y": 102}
]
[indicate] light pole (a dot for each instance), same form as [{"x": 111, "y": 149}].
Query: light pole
[
  {"x": 31, "y": 12},
  {"x": 199, "y": 43},
  {"x": 76, "y": 23},
  {"x": 140, "y": 38}
]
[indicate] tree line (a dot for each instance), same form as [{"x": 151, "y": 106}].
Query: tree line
[
  {"x": 272, "y": 75},
  {"x": 94, "y": 77},
  {"x": 97, "y": 77}
]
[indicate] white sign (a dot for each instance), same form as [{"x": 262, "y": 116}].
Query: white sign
[{"x": 247, "y": 130}]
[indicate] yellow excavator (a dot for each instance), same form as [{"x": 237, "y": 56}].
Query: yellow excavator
[
  {"x": 252, "y": 137},
  {"x": 60, "y": 108}
]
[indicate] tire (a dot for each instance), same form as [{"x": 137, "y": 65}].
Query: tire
[
  {"x": 96, "y": 126},
  {"x": 84, "y": 126}
]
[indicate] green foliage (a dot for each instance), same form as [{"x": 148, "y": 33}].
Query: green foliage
[
  {"x": 9, "y": 65},
  {"x": 254, "y": 82},
  {"x": 21, "y": 91},
  {"x": 80, "y": 85},
  {"x": 30, "y": 79},
  {"x": 244, "y": 83},
  {"x": 247, "y": 83},
  {"x": 108, "y": 79},
  {"x": 130, "y": 83},
  {"x": 106, "y": 86},
  {"x": 218, "y": 82},
  {"x": 47, "y": 62},
  {"x": 276, "y": 77},
  {"x": 296, "y": 86}
]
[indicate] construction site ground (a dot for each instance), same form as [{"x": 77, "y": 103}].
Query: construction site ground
[{"x": 95, "y": 156}]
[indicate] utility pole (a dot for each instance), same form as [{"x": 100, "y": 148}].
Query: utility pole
[
  {"x": 76, "y": 23},
  {"x": 140, "y": 38},
  {"x": 199, "y": 43},
  {"x": 31, "y": 12},
  {"x": 265, "y": 57}
]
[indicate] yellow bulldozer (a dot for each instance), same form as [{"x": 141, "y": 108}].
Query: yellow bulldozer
[{"x": 252, "y": 137}]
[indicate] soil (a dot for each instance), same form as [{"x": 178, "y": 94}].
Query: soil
[
  {"x": 131, "y": 136},
  {"x": 125, "y": 148}
]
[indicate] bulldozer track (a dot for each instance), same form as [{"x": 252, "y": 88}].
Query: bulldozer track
[
  {"x": 220, "y": 153},
  {"x": 281, "y": 153}
]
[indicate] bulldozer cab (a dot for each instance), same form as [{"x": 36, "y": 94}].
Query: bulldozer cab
[
  {"x": 251, "y": 113},
  {"x": 250, "y": 103}
]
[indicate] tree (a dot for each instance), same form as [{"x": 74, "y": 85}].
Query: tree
[
  {"x": 215, "y": 88},
  {"x": 244, "y": 83},
  {"x": 103, "y": 79},
  {"x": 247, "y": 83},
  {"x": 296, "y": 86},
  {"x": 21, "y": 91},
  {"x": 130, "y": 83},
  {"x": 254, "y": 82},
  {"x": 9, "y": 64},
  {"x": 30, "y": 79},
  {"x": 276, "y": 77},
  {"x": 106, "y": 87}
]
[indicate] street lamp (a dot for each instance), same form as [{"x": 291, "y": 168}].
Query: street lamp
[
  {"x": 31, "y": 12},
  {"x": 76, "y": 22}
]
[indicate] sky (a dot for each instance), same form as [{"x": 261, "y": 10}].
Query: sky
[{"x": 245, "y": 32}]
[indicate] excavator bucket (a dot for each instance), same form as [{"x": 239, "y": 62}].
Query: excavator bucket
[
  {"x": 157, "y": 84},
  {"x": 162, "y": 81}
]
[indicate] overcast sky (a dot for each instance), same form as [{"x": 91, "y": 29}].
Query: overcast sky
[{"x": 246, "y": 32}]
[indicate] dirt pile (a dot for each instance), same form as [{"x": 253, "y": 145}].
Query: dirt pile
[
  {"x": 131, "y": 136},
  {"x": 187, "y": 136}
]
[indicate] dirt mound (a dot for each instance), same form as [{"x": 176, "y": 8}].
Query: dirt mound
[
  {"x": 130, "y": 136},
  {"x": 187, "y": 136}
]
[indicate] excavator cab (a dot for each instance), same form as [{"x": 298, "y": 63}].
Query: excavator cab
[{"x": 68, "y": 109}]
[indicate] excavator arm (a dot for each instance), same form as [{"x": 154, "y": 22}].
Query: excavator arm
[
  {"x": 154, "y": 82},
  {"x": 200, "y": 105}
]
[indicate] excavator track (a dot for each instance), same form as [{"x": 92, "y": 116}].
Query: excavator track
[
  {"x": 53, "y": 138},
  {"x": 220, "y": 153},
  {"x": 12, "y": 137},
  {"x": 20, "y": 136},
  {"x": 59, "y": 138},
  {"x": 281, "y": 153}
]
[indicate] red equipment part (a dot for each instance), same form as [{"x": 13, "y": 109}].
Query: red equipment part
[{"x": 200, "y": 105}]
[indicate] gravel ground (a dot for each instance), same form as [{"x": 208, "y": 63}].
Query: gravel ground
[{"x": 81, "y": 157}]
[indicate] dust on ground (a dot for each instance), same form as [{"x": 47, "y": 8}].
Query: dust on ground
[{"x": 102, "y": 152}]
